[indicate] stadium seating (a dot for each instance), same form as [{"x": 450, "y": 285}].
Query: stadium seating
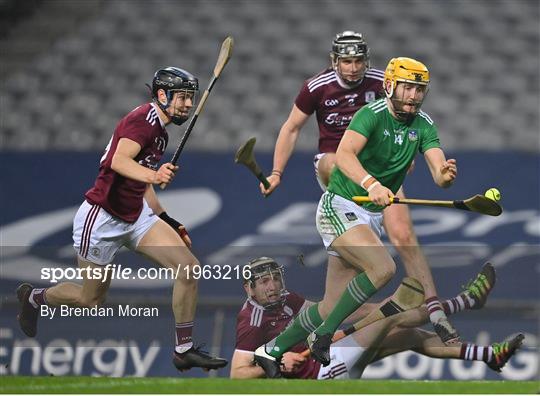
[{"x": 67, "y": 87}]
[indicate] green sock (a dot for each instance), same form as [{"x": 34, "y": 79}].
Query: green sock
[
  {"x": 357, "y": 292},
  {"x": 306, "y": 322}
]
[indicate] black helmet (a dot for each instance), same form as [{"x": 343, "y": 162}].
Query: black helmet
[
  {"x": 263, "y": 266},
  {"x": 349, "y": 44},
  {"x": 172, "y": 79}
]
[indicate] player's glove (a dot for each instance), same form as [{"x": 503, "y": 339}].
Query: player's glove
[{"x": 175, "y": 224}]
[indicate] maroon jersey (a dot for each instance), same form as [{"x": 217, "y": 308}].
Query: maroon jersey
[
  {"x": 118, "y": 195},
  {"x": 334, "y": 105},
  {"x": 256, "y": 326}
]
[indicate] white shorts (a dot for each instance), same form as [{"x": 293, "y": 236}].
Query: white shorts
[
  {"x": 336, "y": 215},
  {"x": 343, "y": 357},
  {"x": 97, "y": 235},
  {"x": 316, "y": 161}
]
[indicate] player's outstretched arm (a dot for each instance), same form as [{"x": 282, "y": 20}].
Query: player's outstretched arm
[
  {"x": 243, "y": 366},
  {"x": 443, "y": 171},
  {"x": 286, "y": 141}
]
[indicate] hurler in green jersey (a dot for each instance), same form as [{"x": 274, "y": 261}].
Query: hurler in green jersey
[{"x": 372, "y": 160}]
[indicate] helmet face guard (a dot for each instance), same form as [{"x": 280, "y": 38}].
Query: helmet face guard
[
  {"x": 262, "y": 270},
  {"x": 173, "y": 80},
  {"x": 349, "y": 44},
  {"x": 405, "y": 71},
  {"x": 182, "y": 94}
]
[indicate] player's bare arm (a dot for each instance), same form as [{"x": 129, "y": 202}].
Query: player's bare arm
[
  {"x": 123, "y": 163},
  {"x": 286, "y": 141},
  {"x": 243, "y": 367},
  {"x": 351, "y": 144},
  {"x": 444, "y": 171},
  {"x": 153, "y": 201}
]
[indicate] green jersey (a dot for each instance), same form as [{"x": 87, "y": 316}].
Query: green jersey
[{"x": 389, "y": 151}]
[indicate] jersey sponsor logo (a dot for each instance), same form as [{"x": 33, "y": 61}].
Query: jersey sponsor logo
[
  {"x": 331, "y": 102},
  {"x": 337, "y": 120},
  {"x": 386, "y": 134},
  {"x": 413, "y": 136},
  {"x": 369, "y": 96},
  {"x": 351, "y": 99}
]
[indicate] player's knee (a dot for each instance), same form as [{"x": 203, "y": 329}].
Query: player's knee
[
  {"x": 190, "y": 271},
  {"x": 402, "y": 235},
  {"x": 90, "y": 302},
  {"x": 385, "y": 272}
]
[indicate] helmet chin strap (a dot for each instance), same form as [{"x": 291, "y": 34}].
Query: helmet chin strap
[{"x": 178, "y": 120}]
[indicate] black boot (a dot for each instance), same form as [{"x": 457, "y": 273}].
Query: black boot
[
  {"x": 28, "y": 315},
  {"x": 195, "y": 357}
]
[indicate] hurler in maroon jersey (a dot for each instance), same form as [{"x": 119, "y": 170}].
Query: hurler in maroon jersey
[
  {"x": 122, "y": 209},
  {"x": 334, "y": 95},
  {"x": 270, "y": 308}
]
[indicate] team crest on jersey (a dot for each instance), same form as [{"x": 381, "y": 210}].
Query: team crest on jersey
[
  {"x": 369, "y": 96},
  {"x": 413, "y": 136}
]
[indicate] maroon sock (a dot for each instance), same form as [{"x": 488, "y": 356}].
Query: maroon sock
[
  {"x": 475, "y": 352},
  {"x": 456, "y": 304},
  {"x": 37, "y": 297},
  {"x": 184, "y": 340},
  {"x": 435, "y": 309}
]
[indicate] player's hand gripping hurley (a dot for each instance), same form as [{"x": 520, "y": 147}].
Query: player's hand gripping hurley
[
  {"x": 224, "y": 56},
  {"x": 409, "y": 295},
  {"x": 477, "y": 203}
]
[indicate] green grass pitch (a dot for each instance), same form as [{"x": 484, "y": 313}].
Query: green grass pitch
[{"x": 220, "y": 385}]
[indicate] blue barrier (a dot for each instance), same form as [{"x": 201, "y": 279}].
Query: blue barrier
[{"x": 230, "y": 222}]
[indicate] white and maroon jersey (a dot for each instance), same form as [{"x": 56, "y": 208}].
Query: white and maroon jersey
[
  {"x": 256, "y": 326},
  {"x": 334, "y": 105},
  {"x": 118, "y": 195}
]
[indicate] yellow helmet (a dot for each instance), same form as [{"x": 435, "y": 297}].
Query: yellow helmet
[{"x": 405, "y": 70}]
